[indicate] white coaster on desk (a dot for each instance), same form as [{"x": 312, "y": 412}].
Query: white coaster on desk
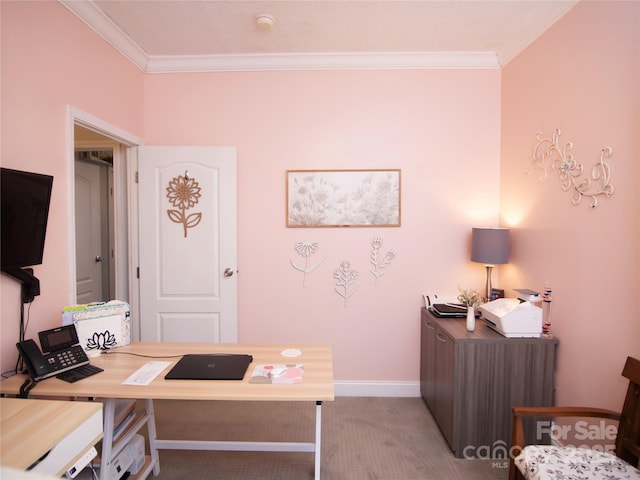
[{"x": 291, "y": 353}]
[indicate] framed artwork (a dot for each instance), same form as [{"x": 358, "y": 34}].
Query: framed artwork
[{"x": 343, "y": 198}]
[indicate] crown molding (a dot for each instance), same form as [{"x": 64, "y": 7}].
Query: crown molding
[
  {"x": 95, "y": 19},
  {"x": 322, "y": 61}
]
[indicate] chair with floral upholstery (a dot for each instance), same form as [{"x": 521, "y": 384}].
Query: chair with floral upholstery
[{"x": 551, "y": 462}]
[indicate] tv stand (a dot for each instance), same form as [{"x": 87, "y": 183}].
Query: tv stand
[{"x": 30, "y": 283}]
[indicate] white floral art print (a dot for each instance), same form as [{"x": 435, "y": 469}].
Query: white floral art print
[{"x": 343, "y": 198}]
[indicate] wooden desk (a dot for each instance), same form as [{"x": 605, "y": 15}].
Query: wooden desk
[
  {"x": 317, "y": 386},
  {"x": 32, "y": 428}
]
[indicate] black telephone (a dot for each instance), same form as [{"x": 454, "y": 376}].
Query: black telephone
[{"x": 62, "y": 352}]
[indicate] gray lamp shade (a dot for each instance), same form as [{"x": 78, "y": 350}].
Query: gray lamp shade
[{"x": 490, "y": 245}]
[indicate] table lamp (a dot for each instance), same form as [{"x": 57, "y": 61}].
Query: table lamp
[{"x": 491, "y": 247}]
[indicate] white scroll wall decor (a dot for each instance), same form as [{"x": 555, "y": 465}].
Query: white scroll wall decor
[{"x": 569, "y": 171}]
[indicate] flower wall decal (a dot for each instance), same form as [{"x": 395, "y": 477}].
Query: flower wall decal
[
  {"x": 345, "y": 276},
  {"x": 183, "y": 193},
  {"x": 346, "y": 279},
  {"x": 306, "y": 249},
  {"x": 380, "y": 263}
]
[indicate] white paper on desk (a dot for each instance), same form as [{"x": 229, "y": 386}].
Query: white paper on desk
[{"x": 146, "y": 373}]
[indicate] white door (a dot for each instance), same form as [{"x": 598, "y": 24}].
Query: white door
[
  {"x": 89, "y": 253},
  {"x": 188, "y": 253}
]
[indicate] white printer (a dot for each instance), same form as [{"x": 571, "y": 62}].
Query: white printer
[{"x": 513, "y": 317}]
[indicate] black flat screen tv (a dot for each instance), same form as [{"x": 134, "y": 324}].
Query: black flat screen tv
[{"x": 25, "y": 199}]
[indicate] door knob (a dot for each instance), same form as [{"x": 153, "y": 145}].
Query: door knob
[
  {"x": 99, "y": 258},
  {"x": 228, "y": 272}
]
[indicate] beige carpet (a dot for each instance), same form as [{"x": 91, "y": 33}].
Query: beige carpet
[{"x": 362, "y": 439}]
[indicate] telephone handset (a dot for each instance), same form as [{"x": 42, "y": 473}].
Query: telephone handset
[{"x": 62, "y": 352}]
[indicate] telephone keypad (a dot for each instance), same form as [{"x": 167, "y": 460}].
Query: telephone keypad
[{"x": 70, "y": 357}]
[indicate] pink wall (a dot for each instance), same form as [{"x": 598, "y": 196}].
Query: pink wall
[
  {"x": 440, "y": 127},
  {"x": 581, "y": 76},
  {"x": 50, "y": 59},
  {"x": 446, "y": 130}
]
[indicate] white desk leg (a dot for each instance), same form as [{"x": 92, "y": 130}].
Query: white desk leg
[
  {"x": 107, "y": 440},
  {"x": 318, "y": 437},
  {"x": 153, "y": 437}
]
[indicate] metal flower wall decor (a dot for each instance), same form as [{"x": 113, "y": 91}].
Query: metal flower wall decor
[
  {"x": 183, "y": 193},
  {"x": 380, "y": 262},
  {"x": 306, "y": 250},
  {"x": 346, "y": 280},
  {"x": 570, "y": 171}
]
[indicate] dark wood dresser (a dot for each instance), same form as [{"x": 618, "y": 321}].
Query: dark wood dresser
[{"x": 471, "y": 380}]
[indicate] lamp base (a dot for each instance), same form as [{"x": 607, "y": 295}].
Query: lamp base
[{"x": 488, "y": 286}]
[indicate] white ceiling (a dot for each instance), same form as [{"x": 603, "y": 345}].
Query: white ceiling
[{"x": 209, "y": 35}]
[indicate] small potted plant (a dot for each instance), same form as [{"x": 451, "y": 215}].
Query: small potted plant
[{"x": 471, "y": 299}]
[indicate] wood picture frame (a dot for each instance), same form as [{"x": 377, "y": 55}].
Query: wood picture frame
[{"x": 343, "y": 198}]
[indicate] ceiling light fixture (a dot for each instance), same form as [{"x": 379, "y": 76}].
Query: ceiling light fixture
[{"x": 265, "y": 22}]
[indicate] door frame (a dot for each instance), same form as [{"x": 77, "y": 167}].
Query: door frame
[{"x": 125, "y": 203}]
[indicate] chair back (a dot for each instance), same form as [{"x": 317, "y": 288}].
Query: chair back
[{"x": 628, "y": 439}]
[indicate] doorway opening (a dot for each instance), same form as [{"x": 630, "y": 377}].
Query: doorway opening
[
  {"x": 109, "y": 151},
  {"x": 95, "y": 252}
]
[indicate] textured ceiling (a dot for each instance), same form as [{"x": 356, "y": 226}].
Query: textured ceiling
[{"x": 170, "y": 31}]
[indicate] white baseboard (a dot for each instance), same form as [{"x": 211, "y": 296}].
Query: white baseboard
[{"x": 376, "y": 389}]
